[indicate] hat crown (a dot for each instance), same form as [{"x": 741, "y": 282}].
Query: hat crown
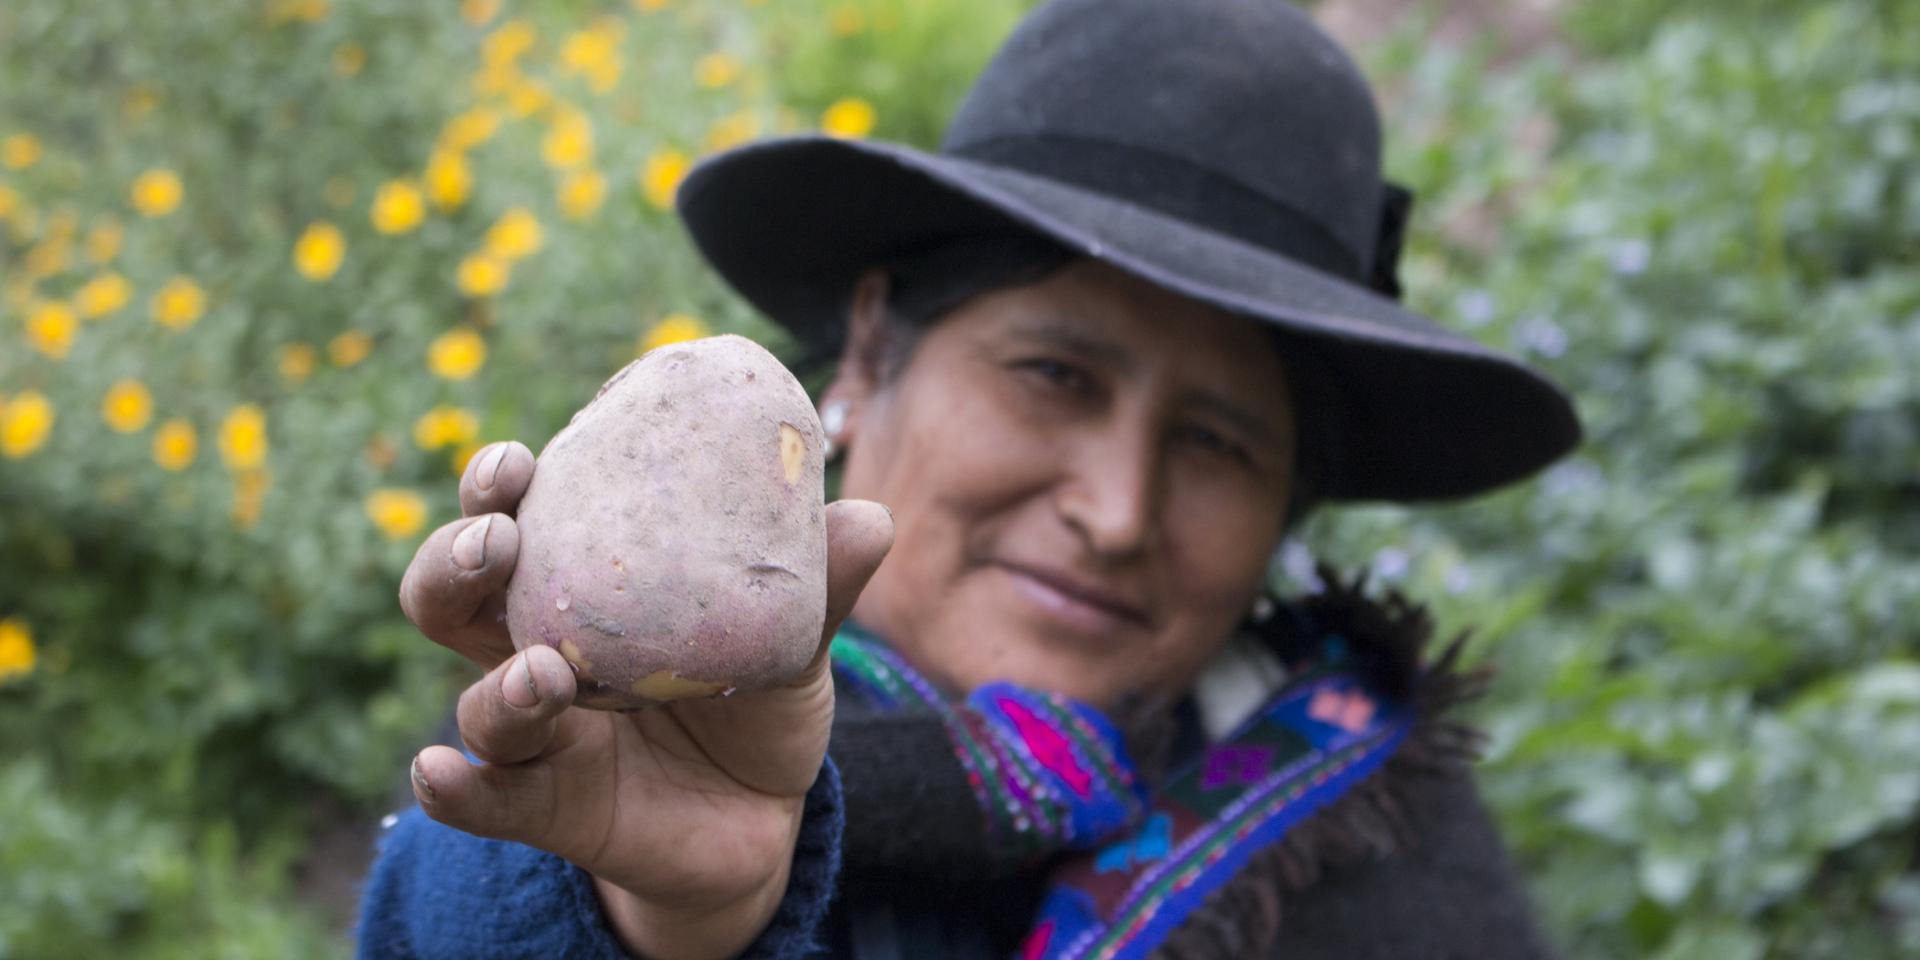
[{"x": 1238, "y": 114}]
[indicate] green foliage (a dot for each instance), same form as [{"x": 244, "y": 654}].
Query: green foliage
[
  {"x": 1703, "y": 221},
  {"x": 1707, "y": 734}
]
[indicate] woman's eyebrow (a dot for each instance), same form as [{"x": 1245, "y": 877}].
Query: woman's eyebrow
[{"x": 1085, "y": 346}]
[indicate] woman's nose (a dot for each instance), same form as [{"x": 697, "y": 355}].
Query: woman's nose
[{"x": 1110, "y": 493}]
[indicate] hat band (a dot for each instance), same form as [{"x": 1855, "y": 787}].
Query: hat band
[{"x": 1177, "y": 188}]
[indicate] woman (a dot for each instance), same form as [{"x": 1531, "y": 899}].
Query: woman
[{"x": 1096, "y": 355}]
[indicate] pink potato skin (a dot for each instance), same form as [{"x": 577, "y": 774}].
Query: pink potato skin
[{"x": 673, "y": 540}]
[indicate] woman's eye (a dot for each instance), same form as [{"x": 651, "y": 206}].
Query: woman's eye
[
  {"x": 1216, "y": 443},
  {"x": 1057, "y": 373}
]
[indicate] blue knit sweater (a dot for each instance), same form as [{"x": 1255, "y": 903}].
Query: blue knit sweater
[{"x": 512, "y": 900}]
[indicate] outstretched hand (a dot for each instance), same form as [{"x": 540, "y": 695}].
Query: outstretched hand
[{"x": 685, "y": 814}]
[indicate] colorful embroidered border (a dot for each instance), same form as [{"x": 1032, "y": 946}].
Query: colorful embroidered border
[
  {"x": 1180, "y": 879},
  {"x": 1048, "y": 774}
]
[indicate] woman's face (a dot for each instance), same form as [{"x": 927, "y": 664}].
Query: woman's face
[{"x": 1087, "y": 476}]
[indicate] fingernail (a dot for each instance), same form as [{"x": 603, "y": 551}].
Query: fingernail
[
  {"x": 517, "y": 686},
  {"x": 420, "y": 783},
  {"x": 489, "y": 466},
  {"x": 470, "y": 547}
]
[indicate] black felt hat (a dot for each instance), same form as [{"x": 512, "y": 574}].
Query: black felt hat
[{"x": 1227, "y": 150}]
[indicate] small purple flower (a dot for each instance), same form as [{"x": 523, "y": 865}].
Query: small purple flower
[
  {"x": 1475, "y": 308},
  {"x": 1630, "y": 257},
  {"x": 1391, "y": 563},
  {"x": 1541, "y": 336}
]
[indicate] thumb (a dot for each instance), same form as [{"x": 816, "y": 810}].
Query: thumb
[{"x": 859, "y": 534}]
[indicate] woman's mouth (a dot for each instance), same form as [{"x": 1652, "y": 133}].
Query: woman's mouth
[{"x": 1075, "y": 603}]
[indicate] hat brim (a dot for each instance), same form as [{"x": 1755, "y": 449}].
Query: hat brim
[{"x": 1425, "y": 413}]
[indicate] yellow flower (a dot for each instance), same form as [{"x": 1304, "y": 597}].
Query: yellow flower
[
  {"x": 25, "y": 422},
  {"x": 175, "y": 445},
  {"x": 507, "y": 42},
  {"x": 483, "y": 275},
  {"x": 602, "y": 76},
  {"x": 398, "y": 207},
  {"x": 318, "y": 252},
  {"x": 20, "y": 151},
  {"x": 479, "y": 12},
  {"x": 715, "y": 70},
  {"x": 468, "y": 130},
  {"x": 457, "y": 354},
  {"x": 311, "y": 11},
  {"x": 103, "y": 241},
  {"x": 851, "y": 117},
  {"x": 17, "y": 654},
  {"x": 50, "y": 328},
  {"x": 587, "y": 50},
  {"x": 846, "y": 20},
  {"x": 139, "y": 101},
  {"x": 398, "y": 513},
  {"x": 338, "y": 192},
  {"x": 102, "y": 295},
  {"x": 493, "y": 80},
  {"x": 569, "y": 142},
  {"x": 179, "y": 304},
  {"x": 515, "y": 235},
  {"x": 297, "y": 362},
  {"x": 449, "y": 179},
  {"x": 127, "y": 406},
  {"x": 349, "y": 58},
  {"x": 349, "y": 348},
  {"x": 581, "y": 193},
  {"x": 649, "y": 6},
  {"x": 445, "y": 427},
  {"x": 661, "y": 177},
  {"x": 243, "y": 438},
  {"x": 524, "y": 98},
  {"x": 156, "y": 192},
  {"x": 673, "y": 328},
  {"x": 10, "y": 203},
  {"x": 731, "y": 130},
  {"x": 48, "y": 258},
  {"x": 249, "y": 494}
]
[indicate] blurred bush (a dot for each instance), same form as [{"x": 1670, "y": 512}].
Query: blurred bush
[
  {"x": 270, "y": 271},
  {"x": 1705, "y": 220}
]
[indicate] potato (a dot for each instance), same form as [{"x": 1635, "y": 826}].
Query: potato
[{"x": 673, "y": 540}]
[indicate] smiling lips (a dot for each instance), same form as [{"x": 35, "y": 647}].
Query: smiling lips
[{"x": 1076, "y": 602}]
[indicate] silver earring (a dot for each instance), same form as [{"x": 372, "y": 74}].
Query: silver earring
[
  {"x": 833, "y": 420},
  {"x": 1263, "y": 609}
]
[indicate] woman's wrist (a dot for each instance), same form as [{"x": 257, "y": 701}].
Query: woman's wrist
[{"x": 691, "y": 932}]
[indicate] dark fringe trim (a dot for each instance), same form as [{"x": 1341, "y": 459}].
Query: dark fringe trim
[{"x": 1390, "y": 640}]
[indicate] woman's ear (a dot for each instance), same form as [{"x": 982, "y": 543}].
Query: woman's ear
[{"x": 864, "y": 356}]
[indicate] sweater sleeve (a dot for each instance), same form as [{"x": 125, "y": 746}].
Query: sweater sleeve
[{"x": 437, "y": 892}]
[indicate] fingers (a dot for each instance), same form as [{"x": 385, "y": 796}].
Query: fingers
[
  {"x": 509, "y": 715},
  {"x": 453, "y": 589},
  {"x": 496, "y": 478},
  {"x": 859, "y": 534},
  {"x": 505, "y": 803}
]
